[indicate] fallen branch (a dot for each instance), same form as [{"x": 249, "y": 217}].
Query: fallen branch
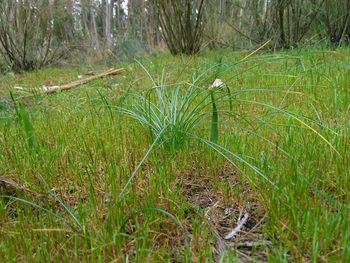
[
  {"x": 10, "y": 185},
  {"x": 77, "y": 83}
]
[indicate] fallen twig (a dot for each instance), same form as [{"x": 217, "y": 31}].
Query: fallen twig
[
  {"x": 12, "y": 184},
  {"x": 240, "y": 223},
  {"x": 250, "y": 244}
]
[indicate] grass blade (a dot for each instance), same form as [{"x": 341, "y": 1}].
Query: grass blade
[{"x": 214, "y": 132}]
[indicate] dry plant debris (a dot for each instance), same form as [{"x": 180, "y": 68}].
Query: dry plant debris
[{"x": 235, "y": 221}]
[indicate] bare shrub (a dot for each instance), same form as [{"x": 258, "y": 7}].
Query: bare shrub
[
  {"x": 182, "y": 24},
  {"x": 27, "y": 38}
]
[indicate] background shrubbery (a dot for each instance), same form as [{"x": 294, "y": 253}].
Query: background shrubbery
[{"x": 37, "y": 33}]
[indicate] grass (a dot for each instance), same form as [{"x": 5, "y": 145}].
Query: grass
[{"x": 118, "y": 191}]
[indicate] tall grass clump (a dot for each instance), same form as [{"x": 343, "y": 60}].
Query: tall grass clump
[{"x": 172, "y": 113}]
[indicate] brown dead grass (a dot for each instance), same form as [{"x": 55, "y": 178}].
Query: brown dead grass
[{"x": 222, "y": 210}]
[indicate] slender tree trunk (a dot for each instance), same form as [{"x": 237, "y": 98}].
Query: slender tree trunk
[
  {"x": 95, "y": 38},
  {"x": 108, "y": 24}
]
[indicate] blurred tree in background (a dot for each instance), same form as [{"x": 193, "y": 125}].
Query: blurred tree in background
[
  {"x": 35, "y": 33},
  {"x": 182, "y": 23}
]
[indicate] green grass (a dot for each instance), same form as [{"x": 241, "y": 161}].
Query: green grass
[{"x": 118, "y": 191}]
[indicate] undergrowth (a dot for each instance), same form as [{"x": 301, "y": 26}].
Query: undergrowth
[{"x": 113, "y": 185}]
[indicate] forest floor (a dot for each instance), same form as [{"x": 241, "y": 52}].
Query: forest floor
[{"x": 124, "y": 169}]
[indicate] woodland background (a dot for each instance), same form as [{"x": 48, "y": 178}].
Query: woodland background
[{"x": 34, "y": 33}]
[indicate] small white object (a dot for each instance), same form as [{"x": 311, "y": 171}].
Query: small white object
[
  {"x": 80, "y": 77},
  {"x": 218, "y": 83},
  {"x": 18, "y": 87}
]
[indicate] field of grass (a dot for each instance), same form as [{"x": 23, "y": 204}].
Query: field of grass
[{"x": 134, "y": 169}]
